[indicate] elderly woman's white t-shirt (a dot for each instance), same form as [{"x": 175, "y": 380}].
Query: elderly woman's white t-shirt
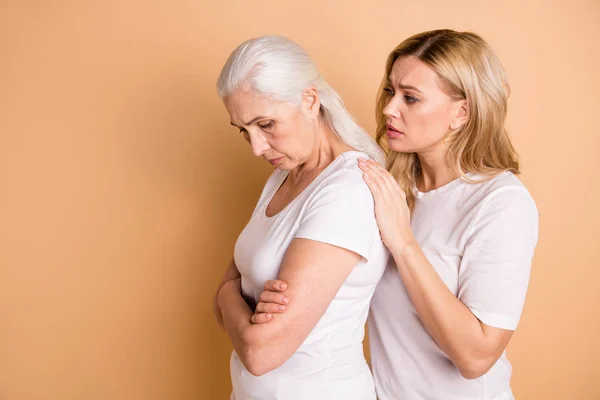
[{"x": 336, "y": 208}]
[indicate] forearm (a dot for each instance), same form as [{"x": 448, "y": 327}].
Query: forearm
[
  {"x": 231, "y": 273},
  {"x": 258, "y": 346},
  {"x": 451, "y": 324},
  {"x": 236, "y": 315}
]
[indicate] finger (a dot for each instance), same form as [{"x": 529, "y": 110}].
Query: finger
[
  {"x": 275, "y": 285},
  {"x": 273, "y": 297},
  {"x": 373, "y": 186},
  {"x": 261, "y": 318},
  {"x": 375, "y": 180},
  {"x": 378, "y": 177},
  {"x": 270, "y": 308},
  {"x": 390, "y": 182}
]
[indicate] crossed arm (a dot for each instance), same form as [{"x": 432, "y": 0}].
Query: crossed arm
[{"x": 314, "y": 272}]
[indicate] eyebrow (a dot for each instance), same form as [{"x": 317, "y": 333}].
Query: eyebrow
[
  {"x": 249, "y": 122},
  {"x": 406, "y": 86}
]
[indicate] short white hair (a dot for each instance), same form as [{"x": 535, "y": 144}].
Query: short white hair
[{"x": 279, "y": 68}]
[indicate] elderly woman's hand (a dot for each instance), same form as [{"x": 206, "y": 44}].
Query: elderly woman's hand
[{"x": 272, "y": 301}]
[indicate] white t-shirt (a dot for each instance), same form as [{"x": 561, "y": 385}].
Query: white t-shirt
[
  {"x": 336, "y": 208},
  {"x": 480, "y": 239}
]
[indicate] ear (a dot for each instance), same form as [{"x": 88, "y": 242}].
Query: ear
[
  {"x": 461, "y": 114},
  {"x": 311, "y": 102}
]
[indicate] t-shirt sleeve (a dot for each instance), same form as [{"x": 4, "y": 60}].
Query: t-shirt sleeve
[
  {"x": 494, "y": 271},
  {"x": 342, "y": 214}
]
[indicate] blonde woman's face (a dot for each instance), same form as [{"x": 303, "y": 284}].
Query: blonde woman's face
[
  {"x": 419, "y": 113},
  {"x": 277, "y": 131}
]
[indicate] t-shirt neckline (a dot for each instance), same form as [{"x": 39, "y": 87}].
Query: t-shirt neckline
[{"x": 319, "y": 177}]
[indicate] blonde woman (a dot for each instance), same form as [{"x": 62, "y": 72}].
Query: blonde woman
[{"x": 460, "y": 226}]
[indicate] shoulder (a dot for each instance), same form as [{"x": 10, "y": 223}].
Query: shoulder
[
  {"x": 345, "y": 179},
  {"x": 504, "y": 190},
  {"x": 505, "y": 199}
]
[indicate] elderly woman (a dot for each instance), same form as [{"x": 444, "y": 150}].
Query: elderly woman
[
  {"x": 314, "y": 227},
  {"x": 460, "y": 226}
]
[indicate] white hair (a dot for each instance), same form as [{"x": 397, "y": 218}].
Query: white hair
[{"x": 281, "y": 69}]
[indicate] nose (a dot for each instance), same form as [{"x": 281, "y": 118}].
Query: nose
[
  {"x": 259, "y": 144},
  {"x": 392, "y": 109}
]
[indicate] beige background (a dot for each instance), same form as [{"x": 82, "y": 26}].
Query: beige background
[{"x": 123, "y": 188}]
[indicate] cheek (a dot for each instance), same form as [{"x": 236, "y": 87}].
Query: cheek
[
  {"x": 283, "y": 144},
  {"x": 428, "y": 123}
]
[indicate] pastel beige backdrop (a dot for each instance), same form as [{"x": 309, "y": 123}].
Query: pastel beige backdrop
[{"x": 123, "y": 187}]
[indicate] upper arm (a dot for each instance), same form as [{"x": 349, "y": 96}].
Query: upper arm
[{"x": 314, "y": 272}]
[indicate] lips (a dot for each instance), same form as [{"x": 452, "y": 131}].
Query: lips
[
  {"x": 393, "y": 132},
  {"x": 275, "y": 161}
]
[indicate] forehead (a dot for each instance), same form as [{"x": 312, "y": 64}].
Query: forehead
[
  {"x": 245, "y": 104},
  {"x": 409, "y": 70}
]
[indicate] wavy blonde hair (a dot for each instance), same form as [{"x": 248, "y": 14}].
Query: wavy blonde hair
[{"x": 468, "y": 69}]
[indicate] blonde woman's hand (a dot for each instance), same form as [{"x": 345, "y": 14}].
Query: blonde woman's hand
[{"x": 391, "y": 208}]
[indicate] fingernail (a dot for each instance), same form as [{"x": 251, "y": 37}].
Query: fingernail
[
  {"x": 285, "y": 300},
  {"x": 268, "y": 316},
  {"x": 282, "y": 286},
  {"x": 281, "y": 308}
]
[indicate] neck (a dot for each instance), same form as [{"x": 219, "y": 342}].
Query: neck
[
  {"x": 435, "y": 169},
  {"x": 328, "y": 147}
]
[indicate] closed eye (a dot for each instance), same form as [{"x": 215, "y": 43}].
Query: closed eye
[{"x": 267, "y": 125}]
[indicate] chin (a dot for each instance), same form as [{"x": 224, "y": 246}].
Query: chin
[
  {"x": 404, "y": 146},
  {"x": 285, "y": 167},
  {"x": 400, "y": 147}
]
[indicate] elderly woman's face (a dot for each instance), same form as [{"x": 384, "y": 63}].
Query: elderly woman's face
[{"x": 282, "y": 133}]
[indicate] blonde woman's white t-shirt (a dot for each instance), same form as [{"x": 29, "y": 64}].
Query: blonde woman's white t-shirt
[
  {"x": 336, "y": 208},
  {"x": 480, "y": 239}
]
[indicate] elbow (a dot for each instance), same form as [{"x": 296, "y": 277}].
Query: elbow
[
  {"x": 257, "y": 356},
  {"x": 255, "y": 365},
  {"x": 256, "y": 361},
  {"x": 475, "y": 367}
]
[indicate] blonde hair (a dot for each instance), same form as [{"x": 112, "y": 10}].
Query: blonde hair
[{"x": 468, "y": 69}]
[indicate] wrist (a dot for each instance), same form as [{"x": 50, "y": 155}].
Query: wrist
[{"x": 405, "y": 251}]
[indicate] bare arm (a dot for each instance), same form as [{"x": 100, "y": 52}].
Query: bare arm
[
  {"x": 231, "y": 273},
  {"x": 314, "y": 272},
  {"x": 473, "y": 346}
]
